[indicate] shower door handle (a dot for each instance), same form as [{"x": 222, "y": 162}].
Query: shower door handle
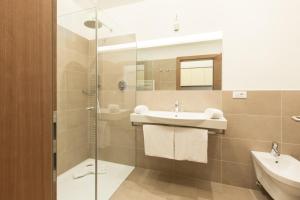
[{"x": 90, "y": 108}]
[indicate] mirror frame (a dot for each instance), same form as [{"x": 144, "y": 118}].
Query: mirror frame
[{"x": 217, "y": 69}]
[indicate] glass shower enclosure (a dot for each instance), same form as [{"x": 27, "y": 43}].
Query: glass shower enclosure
[{"x": 96, "y": 84}]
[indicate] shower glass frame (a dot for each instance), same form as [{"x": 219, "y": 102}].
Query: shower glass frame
[{"x": 91, "y": 91}]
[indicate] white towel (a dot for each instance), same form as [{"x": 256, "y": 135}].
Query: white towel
[
  {"x": 140, "y": 109},
  {"x": 191, "y": 144},
  {"x": 213, "y": 113},
  {"x": 159, "y": 141}
]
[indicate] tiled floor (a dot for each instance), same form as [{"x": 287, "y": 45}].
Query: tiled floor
[{"x": 144, "y": 184}]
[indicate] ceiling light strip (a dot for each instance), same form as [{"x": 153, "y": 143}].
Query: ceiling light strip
[{"x": 164, "y": 42}]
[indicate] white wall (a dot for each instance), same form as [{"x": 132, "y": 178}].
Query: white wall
[
  {"x": 151, "y": 19},
  {"x": 65, "y": 7},
  {"x": 261, "y": 44}
]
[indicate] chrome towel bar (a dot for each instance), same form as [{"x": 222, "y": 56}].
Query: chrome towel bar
[{"x": 296, "y": 118}]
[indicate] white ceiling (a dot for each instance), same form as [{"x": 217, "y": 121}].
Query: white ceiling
[
  {"x": 148, "y": 19},
  {"x": 70, "y": 6}
]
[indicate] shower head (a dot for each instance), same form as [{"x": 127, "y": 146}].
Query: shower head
[{"x": 93, "y": 24}]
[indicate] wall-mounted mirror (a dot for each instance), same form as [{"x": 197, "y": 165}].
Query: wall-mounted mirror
[
  {"x": 190, "y": 66},
  {"x": 202, "y": 72}
]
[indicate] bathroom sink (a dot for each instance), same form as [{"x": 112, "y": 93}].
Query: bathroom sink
[
  {"x": 171, "y": 116},
  {"x": 189, "y": 119}
]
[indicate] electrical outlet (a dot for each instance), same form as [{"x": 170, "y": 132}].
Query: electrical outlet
[{"x": 239, "y": 95}]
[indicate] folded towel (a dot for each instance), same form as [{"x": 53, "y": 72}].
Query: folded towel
[
  {"x": 141, "y": 109},
  {"x": 159, "y": 141},
  {"x": 213, "y": 113},
  {"x": 191, "y": 144}
]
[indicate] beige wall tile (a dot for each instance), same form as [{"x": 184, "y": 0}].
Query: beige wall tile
[
  {"x": 110, "y": 97},
  {"x": 291, "y": 149},
  {"x": 167, "y": 85},
  {"x": 77, "y": 80},
  {"x": 72, "y": 61},
  {"x": 120, "y": 155},
  {"x": 71, "y": 158},
  {"x": 72, "y": 132},
  {"x": 239, "y": 150},
  {"x": 62, "y": 121},
  {"x": 238, "y": 174},
  {"x": 257, "y": 102},
  {"x": 62, "y": 80},
  {"x": 190, "y": 100},
  {"x": 121, "y": 137},
  {"x": 291, "y": 103},
  {"x": 290, "y": 130},
  {"x": 256, "y": 127},
  {"x": 214, "y": 147},
  {"x": 233, "y": 106},
  {"x": 139, "y": 138},
  {"x": 71, "y": 40},
  {"x": 154, "y": 163},
  {"x": 76, "y": 99},
  {"x": 209, "y": 171}
]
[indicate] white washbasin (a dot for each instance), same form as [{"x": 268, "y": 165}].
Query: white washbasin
[
  {"x": 176, "y": 115},
  {"x": 192, "y": 119},
  {"x": 279, "y": 176}
]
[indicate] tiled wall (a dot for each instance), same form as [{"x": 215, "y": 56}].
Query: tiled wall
[
  {"x": 253, "y": 124},
  {"x": 72, "y": 71}
]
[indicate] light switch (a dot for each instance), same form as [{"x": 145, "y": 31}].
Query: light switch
[{"x": 239, "y": 95}]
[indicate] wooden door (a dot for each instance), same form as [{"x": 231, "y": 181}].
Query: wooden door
[
  {"x": 217, "y": 74},
  {"x": 27, "y": 39}
]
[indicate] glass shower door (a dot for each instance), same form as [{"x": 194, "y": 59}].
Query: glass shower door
[
  {"x": 117, "y": 87},
  {"x": 77, "y": 92},
  {"x": 96, "y": 84}
]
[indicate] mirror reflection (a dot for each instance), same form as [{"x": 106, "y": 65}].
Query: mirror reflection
[
  {"x": 196, "y": 73},
  {"x": 192, "y": 66},
  {"x": 199, "y": 72}
]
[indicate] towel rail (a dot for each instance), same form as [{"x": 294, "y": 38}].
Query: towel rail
[
  {"x": 210, "y": 130},
  {"x": 296, "y": 118}
]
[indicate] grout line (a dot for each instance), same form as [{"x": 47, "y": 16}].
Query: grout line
[
  {"x": 254, "y": 115},
  {"x": 295, "y": 144},
  {"x": 221, "y": 158},
  {"x": 246, "y": 139},
  {"x": 237, "y": 163}
]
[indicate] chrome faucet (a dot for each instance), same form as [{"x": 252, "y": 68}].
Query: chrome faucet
[
  {"x": 275, "y": 149},
  {"x": 177, "y": 106}
]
